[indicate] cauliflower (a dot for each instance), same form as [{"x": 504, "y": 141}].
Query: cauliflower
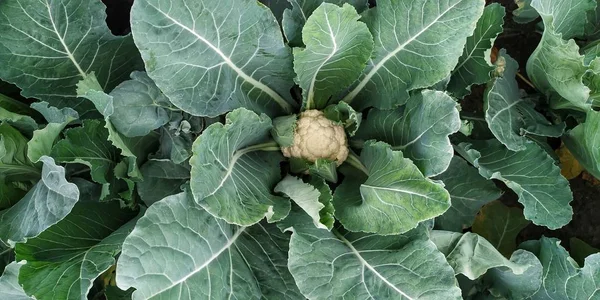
[{"x": 317, "y": 137}]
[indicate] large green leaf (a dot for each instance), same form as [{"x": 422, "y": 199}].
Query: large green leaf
[
  {"x": 139, "y": 106},
  {"x": 468, "y": 192},
  {"x": 9, "y": 283},
  {"x": 215, "y": 56},
  {"x": 475, "y": 258},
  {"x": 232, "y": 177},
  {"x": 562, "y": 278},
  {"x": 48, "y": 202},
  {"x": 392, "y": 198},
  {"x": 338, "y": 47},
  {"x": 510, "y": 117},
  {"x": 565, "y": 17},
  {"x": 162, "y": 178},
  {"x": 500, "y": 225},
  {"x": 337, "y": 265},
  {"x": 530, "y": 173},
  {"x": 584, "y": 142},
  {"x": 179, "y": 251},
  {"x": 48, "y": 46},
  {"x": 417, "y": 44},
  {"x": 295, "y": 17},
  {"x": 475, "y": 65},
  {"x": 64, "y": 260},
  {"x": 420, "y": 129},
  {"x": 556, "y": 67}
]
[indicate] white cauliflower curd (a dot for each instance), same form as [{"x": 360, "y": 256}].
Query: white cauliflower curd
[{"x": 317, "y": 137}]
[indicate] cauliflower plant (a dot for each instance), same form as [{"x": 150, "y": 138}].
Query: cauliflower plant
[{"x": 317, "y": 137}]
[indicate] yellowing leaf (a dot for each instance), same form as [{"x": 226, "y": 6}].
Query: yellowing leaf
[{"x": 569, "y": 166}]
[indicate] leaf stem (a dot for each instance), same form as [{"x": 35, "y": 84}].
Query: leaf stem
[
  {"x": 526, "y": 80},
  {"x": 268, "y": 146},
  {"x": 354, "y": 161},
  {"x": 6, "y": 251}
]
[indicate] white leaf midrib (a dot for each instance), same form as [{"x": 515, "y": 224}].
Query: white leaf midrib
[
  {"x": 311, "y": 93},
  {"x": 62, "y": 42},
  {"x": 348, "y": 98},
  {"x": 366, "y": 264},
  {"x": 213, "y": 257},
  {"x": 274, "y": 95}
]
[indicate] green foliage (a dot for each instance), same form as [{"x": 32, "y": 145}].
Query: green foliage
[{"x": 149, "y": 166}]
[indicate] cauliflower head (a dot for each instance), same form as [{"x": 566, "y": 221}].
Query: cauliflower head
[{"x": 317, "y": 137}]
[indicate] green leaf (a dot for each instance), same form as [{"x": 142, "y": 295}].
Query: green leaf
[
  {"x": 420, "y": 129},
  {"x": 585, "y": 283},
  {"x": 393, "y": 198},
  {"x": 162, "y": 178},
  {"x": 475, "y": 65},
  {"x": 10, "y": 104},
  {"x": 500, "y": 225},
  {"x": 48, "y": 202},
  {"x": 115, "y": 293},
  {"x": 305, "y": 196},
  {"x": 556, "y": 67},
  {"x": 17, "y": 173},
  {"x": 207, "y": 258},
  {"x": 208, "y": 69},
  {"x": 580, "y": 250},
  {"x": 410, "y": 50},
  {"x": 524, "y": 12},
  {"x": 175, "y": 145},
  {"x": 14, "y": 164},
  {"x": 24, "y": 123},
  {"x": 475, "y": 258},
  {"x": 295, "y": 17},
  {"x": 277, "y": 7},
  {"x": 505, "y": 284},
  {"x": 510, "y": 117},
  {"x": 135, "y": 149},
  {"x": 327, "y": 212},
  {"x": 283, "y": 130},
  {"x": 43, "y": 139},
  {"x": 64, "y": 260},
  {"x": 140, "y": 106},
  {"x": 9, "y": 283},
  {"x": 530, "y": 173},
  {"x": 89, "y": 145},
  {"x": 344, "y": 114},
  {"x": 584, "y": 142},
  {"x": 565, "y": 17},
  {"x": 49, "y": 46},
  {"x": 232, "y": 177},
  {"x": 338, "y": 47},
  {"x": 468, "y": 190},
  {"x": 334, "y": 265},
  {"x": 563, "y": 279},
  {"x": 53, "y": 114},
  {"x": 323, "y": 168}
]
